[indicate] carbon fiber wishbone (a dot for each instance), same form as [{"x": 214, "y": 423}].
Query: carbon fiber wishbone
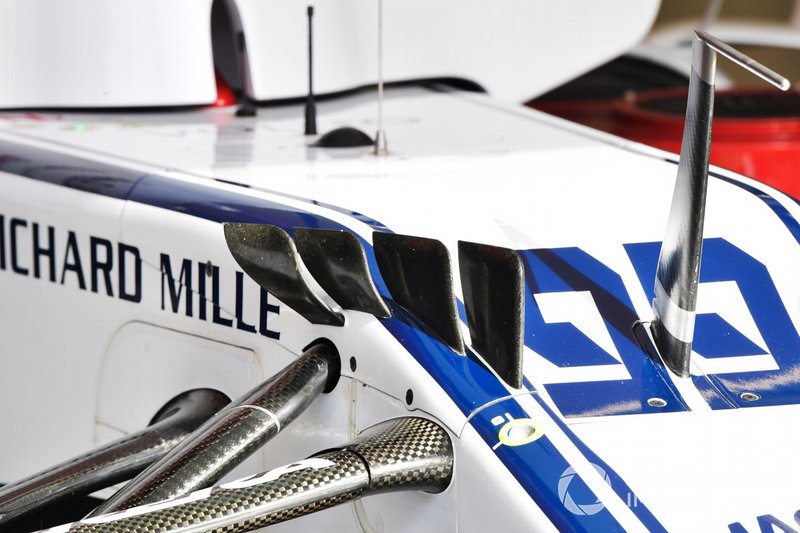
[{"x": 399, "y": 454}]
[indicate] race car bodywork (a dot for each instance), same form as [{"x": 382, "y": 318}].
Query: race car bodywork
[{"x": 132, "y": 269}]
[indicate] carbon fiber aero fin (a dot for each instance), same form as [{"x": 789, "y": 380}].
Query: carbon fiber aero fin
[
  {"x": 678, "y": 270},
  {"x": 418, "y": 275},
  {"x": 396, "y": 455},
  {"x": 234, "y": 433},
  {"x": 338, "y": 262},
  {"x": 493, "y": 281},
  {"x": 268, "y": 255}
]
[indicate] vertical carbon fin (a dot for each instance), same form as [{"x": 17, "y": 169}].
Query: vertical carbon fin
[
  {"x": 418, "y": 275},
  {"x": 338, "y": 262},
  {"x": 268, "y": 255},
  {"x": 493, "y": 281},
  {"x": 678, "y": 270}
]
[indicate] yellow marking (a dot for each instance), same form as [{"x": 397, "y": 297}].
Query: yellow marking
[{"x": 520, "y": 431}]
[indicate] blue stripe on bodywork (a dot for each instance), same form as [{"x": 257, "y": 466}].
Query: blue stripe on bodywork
[
  {"x": 541, "y": 469},
  {"x": 220, "y": 205},
  {"x": 617, "y": 483},
  {"x": 783, "y": 214},
  {"x": 67, "y": 170},
  {"x": 573, "y": 270},
  {"x": 537, "y": 466},
  {"x": 780, "y": 211}
]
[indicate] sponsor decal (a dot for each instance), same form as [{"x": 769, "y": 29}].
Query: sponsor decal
[
  {"x": 114, "y": 269},
  {"x": 579, "y": 500},
  {"x": 575, "y": 501},
  {"x": 768, "y": 523},
  {"x": 579, "y": 318}
]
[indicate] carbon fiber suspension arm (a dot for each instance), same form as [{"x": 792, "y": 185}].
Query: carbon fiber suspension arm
[
  {"x": 234, "y": 433},
  {"x": 400, "y": 454},
  {"x": 113, "y": 462}
]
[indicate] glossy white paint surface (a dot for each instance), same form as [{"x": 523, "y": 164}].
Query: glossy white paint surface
[{"x": 95, "y": 53}]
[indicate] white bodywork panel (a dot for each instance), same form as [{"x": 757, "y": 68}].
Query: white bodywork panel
[
  {"x": 139, "y": 53},
  {"x": 95, "y": 53},
  {"x": 507, "y": 46}
]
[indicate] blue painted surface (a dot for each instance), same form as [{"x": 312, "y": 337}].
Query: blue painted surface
[
  {"x": 618, "y": 484},
  {"x": 369, "y": 221},
  {"x": 220, "y": 205},
  {"x": 67, "y": 171},
  {"x": 539, "y": 467},
  {"x": 572, "y": 269},
  {"x": 722, "y": 261}
]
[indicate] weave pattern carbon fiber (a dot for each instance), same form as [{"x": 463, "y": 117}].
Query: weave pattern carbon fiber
[
  {"x": 679, "y": 262},
  {"x": 202, "y": 458},
  {"x": 81, "y": 475},
  {"x": 245, "y": 509},
  {"x": 407, "y": 454},
  {"x": 400, "y": 454},
  {"x": 281, "y": 395},
  {"x": 230, "y": 437}
]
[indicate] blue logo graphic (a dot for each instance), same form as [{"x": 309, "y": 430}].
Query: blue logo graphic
[
  {"x": 632, "y": 376},
  {"x": 571, "y": 493}
]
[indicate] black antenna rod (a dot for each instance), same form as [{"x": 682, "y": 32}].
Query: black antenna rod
[{"x": 311, "y": 106}]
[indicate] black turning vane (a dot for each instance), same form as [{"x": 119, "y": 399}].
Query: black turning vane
[
  {"x": 268, "y": 255},
  {"x": 493, "y": 282},
  {"x": 338, "y": 262},
  {"x": 418, "y": 275}
]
